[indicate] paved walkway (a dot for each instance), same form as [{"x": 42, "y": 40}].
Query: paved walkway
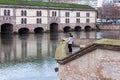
[{"x": 75, "y": 49}]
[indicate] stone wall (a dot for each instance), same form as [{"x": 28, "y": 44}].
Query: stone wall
[
  {"x": 83, "y": 42},
  {"x": 97, "y": 65},
  {"x": 109, "y": 26}
]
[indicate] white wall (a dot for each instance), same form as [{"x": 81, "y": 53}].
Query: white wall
[
  {"x": 2, "y": 11},
  {"x": 82, "y": 16},
  {"x": 31, "y": 16}
]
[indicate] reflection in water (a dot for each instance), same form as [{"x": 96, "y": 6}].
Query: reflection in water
[
  {"x": 7, "y": 42},
  {"x": 98, "y": 35},
  {"x": 87, "y": 34},
  {"x": 77, "y": 34},
  {"x": 54, "y": 38},
  {"x": 23, "y": 39},
  {"x": 111, "y": 34},
  {"x": 40, "y": 46},
  {"x": 15, "y": 47}
]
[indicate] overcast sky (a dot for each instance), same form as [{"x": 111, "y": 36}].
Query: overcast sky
[{"x": 100, "y": 3}]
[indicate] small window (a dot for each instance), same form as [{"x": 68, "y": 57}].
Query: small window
[
  {"x": 39, "y": 20},
  {"x": 54, "y": 13},
  {"x": 77, "y": 20},
  {"x": 39, "y": 13},
  {"x": 67, "y": 14},
  {"x": 87, "y": 20},
  {"x": 23, "y": 13},
  {"x": 23, "y": 21},
  {"x": 78, "y": 14},
  {"x": 67, "y": 21},
  {"x": 6, "y": 12},
  {"x": 87, "y": 14}
]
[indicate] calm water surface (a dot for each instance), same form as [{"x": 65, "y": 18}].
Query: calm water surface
[{"x": 31, "y": 57}]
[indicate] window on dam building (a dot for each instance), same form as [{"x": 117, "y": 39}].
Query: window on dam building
[
  {"x": 87, "y": 14},
  {"x": 87, "y": 20},
  {"x": 67, "y": 14},
  {"x": 67, "y": 21},
  {"x": 39, "y": 21},
  {"x": 77, "y": 20},
  {"x": 39, "y": 13},
  {"x": 23, "y": 21},
  {"x": 78, "y": 14},
  {"x": 6, "y": 12},
  {"x": 54, "y": 13},
  {"x": 23, "y": 13}
]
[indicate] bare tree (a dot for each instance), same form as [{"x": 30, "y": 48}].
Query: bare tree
[{"x": 111, "y": 11}]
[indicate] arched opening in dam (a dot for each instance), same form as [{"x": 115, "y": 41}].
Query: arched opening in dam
[
  {"x": 38, "y": 30},
  {"x": 23, "y": 31},
  {"x": 67, "y": 29},
  {"x": 53, "y": 27},
  {"x": 87, "y": 28},
  {"x": 6, "y": 28},
  {"x": 77, "y": 29}
]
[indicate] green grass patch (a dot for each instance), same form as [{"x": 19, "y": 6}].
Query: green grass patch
[{"x": 44, "y": 4}]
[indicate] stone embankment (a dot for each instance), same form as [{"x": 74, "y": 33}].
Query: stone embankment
[
  {"x": 82, "y": 43},
  {"x": 109, "y": 26}
]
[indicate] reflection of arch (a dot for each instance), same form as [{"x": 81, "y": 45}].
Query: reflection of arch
[
  {"x": 38, "y": 30},
  {"x": 23, "y": 31},
  {"x": 77, "y": 29},
  {"x": 39, "y": 41},
  {"x": 87, "y": 28},
  {"x": 53, "y": 27},
  {"x": 67, "y": 29},
  {"x": 24, "y": 45},
  {"x": 53, "y": 36},
  {"x": 6, "y": 28},
  {"x": 7, "y": 39}
]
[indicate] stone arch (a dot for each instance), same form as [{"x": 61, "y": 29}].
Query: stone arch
[
  {"x": 6, "y": 28},
  {"x": 87, "y": 28},
  {"x": 53, "y": 27},
  {"x": 38, "y": 30},
  {"x": 77, "y": 29},
  {"x": 67, "y": 29},
  {"x": 23, "y": 31}
]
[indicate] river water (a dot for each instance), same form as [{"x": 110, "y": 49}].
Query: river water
[{"x": 31, "y": 57}]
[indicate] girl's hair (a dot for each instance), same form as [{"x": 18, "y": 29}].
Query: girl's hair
[{"x": 71, "y": 35}]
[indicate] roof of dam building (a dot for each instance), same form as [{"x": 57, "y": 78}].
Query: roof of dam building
[
  {"x": 44, "y": 4},
  {"x": 106, "y": 44}
]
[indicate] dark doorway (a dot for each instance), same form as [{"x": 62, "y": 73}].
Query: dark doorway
[
  {"x": 67, "y": 29},
  {"x": 87, "y": 28},
  {"x": 38, "y": 30},
  {"x": 23, "y": 31},
  {"x": 6, "y": 28},
  {"x": 54, "y": 27},
  {"x": 77, "y": 29}
]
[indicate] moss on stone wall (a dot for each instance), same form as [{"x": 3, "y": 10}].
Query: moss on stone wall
[{"x": 108, "y": 42}]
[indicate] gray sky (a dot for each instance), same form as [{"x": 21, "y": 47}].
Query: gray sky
[{"x": 100, "y": 3}]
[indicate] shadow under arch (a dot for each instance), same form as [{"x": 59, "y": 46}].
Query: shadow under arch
[
  {"x": 38, "y": 30},
  {"x": 67, "y": 29},
  {"x": 77, "y": 29},
  {"x": 87, "y": 28},
  {"x": 23, "y": 31},
  {"x": 53, "y": 27},
  {"x": 7, "y": 28}
]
